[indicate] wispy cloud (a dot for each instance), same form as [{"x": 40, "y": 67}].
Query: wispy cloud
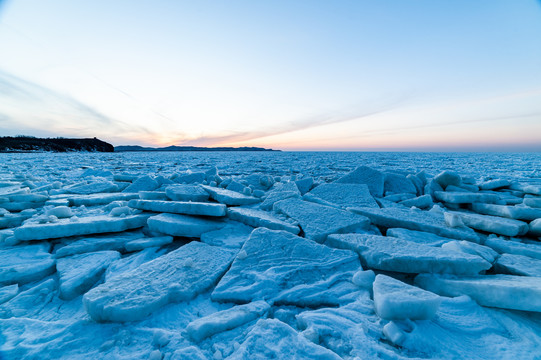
[{"x": 26, "y": 107}]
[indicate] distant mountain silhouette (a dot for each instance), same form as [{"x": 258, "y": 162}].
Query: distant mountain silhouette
[
  {"x": 29, "y": 143},
  {"x": 187, "y": 148}
]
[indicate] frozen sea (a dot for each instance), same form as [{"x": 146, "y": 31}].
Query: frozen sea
[
  {"x": 270, "y": 255},
  {"x": 330, "y": 165}
]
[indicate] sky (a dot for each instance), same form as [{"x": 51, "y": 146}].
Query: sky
[{"x": 345, "y": 75}]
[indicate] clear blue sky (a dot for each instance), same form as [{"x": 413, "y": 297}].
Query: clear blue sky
[{"x": 324, "y": 75}]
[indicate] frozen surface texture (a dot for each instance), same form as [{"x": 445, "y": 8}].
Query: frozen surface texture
[
  {"x": 177, "y": 276},
  {"x": 286, "y": 255},
  {"x": 281, "y": 267}
]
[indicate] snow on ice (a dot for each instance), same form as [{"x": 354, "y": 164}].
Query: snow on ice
[{"x": 295, "y": 256}]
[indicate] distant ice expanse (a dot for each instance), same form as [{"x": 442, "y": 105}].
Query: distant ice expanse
[
  {"x": 520, "y": 166},
  {"x": 270, "y": 255}
]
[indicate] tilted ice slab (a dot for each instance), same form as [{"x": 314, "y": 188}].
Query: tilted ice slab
[
  {"x": 342, "y": 195},
  {"x": 514, "y": 247},
  {"x": 512, "y": 212},
  {"x": 186, "y": 193},
  {"x": 147, "y": 242},
  {"x": 26, "y": 263},
  {"x": 393, "y": 254},
  {"x": 177, "y": 276},
  {"x": 395, "y": 300},
  {"x": 221, "y": 321},
  {"x": 8, "y": 292},
  {"x": 229, "y": 197},
  {"x": 79, "y": 273},
  {"x": 83, "y": 245},
  {"x": 99, "y": 199},
  {"x": 84, "y": 226},
  {"x": 30, "y": 302},
  {"x": 281, "y": 191},
  {"x": 365, "y": 175},
  {"x": 277, "y": 265},
  {"x": 518, "y": 265},
  {"x": 144, "y": 183},
  {"x": 397, "y": 183},
  {"x": 415, "y": 220},
  {"x": 468, "y": 247},
  {"x": 92, "y": 188},
  {"x": 501, "y": 291},
  {"x": 180, "y": 207},
  {"x": 132, "y": 262},
  {"x": 261, "y": 218},
  {"x": 493, "y": 224},
  {"x": 273, "y": 339},
  {"x": 453, "y": 197},
  {"x": 420, "y": 237},
  {"x": 232, "y": 235},
  {"x": 317, "y": 221},
  {"x": 183, "y": 225}
]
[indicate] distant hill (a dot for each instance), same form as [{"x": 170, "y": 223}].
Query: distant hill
[
  {"x": 187, "y": 148},
  {"x": 30, "y": 144}
]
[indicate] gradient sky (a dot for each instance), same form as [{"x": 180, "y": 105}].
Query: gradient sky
[{"x": 293, "y": 75}]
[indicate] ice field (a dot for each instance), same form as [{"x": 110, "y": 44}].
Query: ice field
[{"x": 270, "y": 255}]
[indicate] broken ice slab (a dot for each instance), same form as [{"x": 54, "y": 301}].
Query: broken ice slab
[
  {"x": 99, "y": 199},
  {"x": 83, "y": 245},
  {"x": 393, "y": 254},
  {"x": 183, "y": 225},
  {"x": 144, "y": 183},
  {"x": 20, "y": 206},
  {"x": 514, "y": 247},
  {"x": 472, "y": 248},
  {"x": 221, "y": 321},
  {"x": 260, "y": 218},
  {"x": 286, "y": 344},
  {"x": 132, "y": 261},
  {"x": 83, "y": 226},
  {"x": 180, "y": 207},
  {"x": 79, "y": 273},
  {"x": 317, "y": 221},
  {"x": 465, "y": 197},
  {"x": 277, "y": 265},
  {"x": 92, "y": 188},
  {"x": 8, "y": 292},
  {"x": 186, "y": 193},
  {"x": 281, "y": 191},
  {"x": 395, "y": 300},
  {"x": 420, "y": 237},
  {"x": 25, "y": 263},
  {"x": 414, "y": 219},
  {"x": 365, "y": 175},
  {"x": 493, "y": 224},
  {"x": 152, "y": 195},
  {"x": 397, "y": 183},
  {"x": 232, "y": 235},
  {"x": 501, "y": 291},
  {"x": 177, "y": 276},
  {"x": 421, "y": 202},
  {"x": 494, "y": 184},
  {"x": 342, "y": 195},
  {"x": 531, "y": 201},
  {"x": 229, "y": 197},
  {"x": 147, "y": 242},
  {"x": 30, "y": 302},
  {"x": 512, "y": 212},
  {"x": 535, "y": 228},
  {"x": 12, "y": 220},
  {"x": 518, "y": 265}
]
